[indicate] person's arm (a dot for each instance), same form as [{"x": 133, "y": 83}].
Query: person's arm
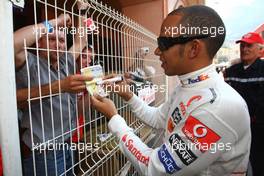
[
  {"x": 31, "y": 35},
  {"x": 152, "y": 116},
  {"x": 80, "y": 39},
  {"x": 70, "y": 84},
  {"x": 178, "y": 155}
]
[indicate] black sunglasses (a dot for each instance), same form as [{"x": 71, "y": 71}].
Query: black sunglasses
[{"x": 165, "y": 43}]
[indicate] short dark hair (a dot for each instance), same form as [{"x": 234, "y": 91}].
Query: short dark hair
[{"x": 203, "y": 16}]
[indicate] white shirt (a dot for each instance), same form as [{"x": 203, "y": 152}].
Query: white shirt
[{"x": 206, "y": 130}]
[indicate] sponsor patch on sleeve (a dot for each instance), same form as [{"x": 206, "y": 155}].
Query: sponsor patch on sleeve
[{"x": 129, "y": 144}]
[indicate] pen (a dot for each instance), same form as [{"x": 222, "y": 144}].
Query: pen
[{"x": 110, "y": 80}]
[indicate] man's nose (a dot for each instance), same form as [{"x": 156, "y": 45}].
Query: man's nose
[
  {"x": 244, "y": 48},
  {"x": 60, "y": 46},
  {"x": 157, "y": 52}
]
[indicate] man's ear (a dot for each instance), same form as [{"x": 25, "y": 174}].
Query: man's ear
[{"x": 195, "y": 47}]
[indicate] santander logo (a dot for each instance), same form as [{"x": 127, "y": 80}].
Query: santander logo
[{"x": 129, "y": 144}]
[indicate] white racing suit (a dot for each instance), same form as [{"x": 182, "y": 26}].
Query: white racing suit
[{"x": 206, "y": 130}]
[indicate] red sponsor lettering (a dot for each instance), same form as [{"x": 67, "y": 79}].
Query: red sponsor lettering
[
  {"x": 124, "y": 138},
  {"x": 183, "y": 108},
  {"x": 194, "y": 98},
  {"x": 203, "y": 77},
  {"x": 134, "y": 151},
  {"x": 170, "y": 126}
]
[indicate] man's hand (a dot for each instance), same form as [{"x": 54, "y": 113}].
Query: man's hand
[
  {"x": 121, "y": 88},
  {"x": 104, "y": 105},
  {"x": 82, "y": 5},
  {"x": 61, "y": 21},
  {"x": 74, "y": 83}
]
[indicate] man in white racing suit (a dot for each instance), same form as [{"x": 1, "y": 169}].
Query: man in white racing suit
[{"x": 206, "y": 122}]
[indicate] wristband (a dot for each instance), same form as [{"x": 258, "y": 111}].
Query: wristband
[{"x": 48, "y": 26}]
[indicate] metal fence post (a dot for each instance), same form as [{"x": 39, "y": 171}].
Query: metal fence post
[{"x": 9, "y": 134}]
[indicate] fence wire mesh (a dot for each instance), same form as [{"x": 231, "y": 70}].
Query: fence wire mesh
[{"x": 89, "y": 33}]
